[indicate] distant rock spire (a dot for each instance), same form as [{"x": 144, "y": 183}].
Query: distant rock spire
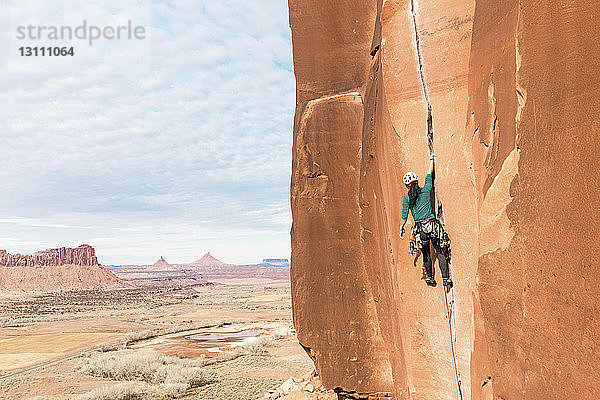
[
  {"x": 161, "y": 264},
  {"x": 208, "y": 259}
]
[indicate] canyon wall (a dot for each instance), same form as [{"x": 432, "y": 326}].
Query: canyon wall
[
  {"x": 55, "y": 269},
  {"x": 510, "y": 85},
  {"x": 343, "y": 305},
  {"x": 533, "y": 114},
  {"x": 82, "y": 255}
]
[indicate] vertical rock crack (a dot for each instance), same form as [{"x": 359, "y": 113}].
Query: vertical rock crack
[
  {"x": 419, "y": 54},
  {"x": 422, "y": 76},
  {"x": 450, "y": 311}
]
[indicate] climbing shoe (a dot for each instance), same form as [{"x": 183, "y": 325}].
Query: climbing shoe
[
  {"x": 430, "y": 281},
  {"x": 448, "y": 284}
]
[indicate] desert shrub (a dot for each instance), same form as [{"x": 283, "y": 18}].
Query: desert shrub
[
  {"x": 134, "y": 391},
  {"x": 122, "y": 391},
  {"x": 146, "y": 366},
  {"x": 232, "y": 354},
  {"x": 136, "y": 336},
  {"x": 259, "y": 346},
  {"x": 105, "y": 347}
]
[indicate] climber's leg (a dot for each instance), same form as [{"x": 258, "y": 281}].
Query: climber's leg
[
  {"x": 441, "y": 260},
  {"x": 444, "y": 268},
  {"x": 427, "y": 262},
  {"x": 427, "y": 258}
]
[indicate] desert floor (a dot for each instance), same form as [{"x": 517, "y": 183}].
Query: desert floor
[{"x": 239, "y": 332}]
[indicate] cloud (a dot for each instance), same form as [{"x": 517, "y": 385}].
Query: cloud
[{"x": 189, "y": 151}]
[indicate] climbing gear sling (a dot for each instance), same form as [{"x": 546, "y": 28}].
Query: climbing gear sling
[{"x": 430, "y": 229}]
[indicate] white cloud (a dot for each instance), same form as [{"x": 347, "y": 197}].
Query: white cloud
[{"x": 190, "y": 154}]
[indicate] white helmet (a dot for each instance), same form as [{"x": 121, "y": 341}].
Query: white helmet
[{"x": 409, "y": 177}]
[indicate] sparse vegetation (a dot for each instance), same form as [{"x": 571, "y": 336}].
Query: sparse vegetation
[
  {"x": 130, "y": 320},
  {"x": 236, "y": 388},
  {"x": 258, "y": 346},
  {"x": 147, "y": 366},
  {"x": 148, "y": 374},
  {"x": 32, "y": 308},
  {"x": 134, "y": 391}
]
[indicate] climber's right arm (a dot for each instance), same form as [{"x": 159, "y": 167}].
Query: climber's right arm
[{"x": 428, "y": 185}]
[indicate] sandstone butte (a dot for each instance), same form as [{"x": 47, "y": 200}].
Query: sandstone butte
[
  {"x": 513, "y": 88},
  {"x": 54, "y": 269}
]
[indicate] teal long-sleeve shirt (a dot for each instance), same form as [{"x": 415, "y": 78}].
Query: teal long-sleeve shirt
[{"x": 422, "y": 208}]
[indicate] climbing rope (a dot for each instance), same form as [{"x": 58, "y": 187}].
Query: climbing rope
[
  {"x": 450, "y": 313},
  {"x": 449, "y": 305},
  {"x": 452, "y": 336}
]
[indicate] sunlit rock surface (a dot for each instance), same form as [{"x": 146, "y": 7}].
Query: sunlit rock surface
[
  {"x": 82, "y": 255},
  {"x": 512, "y": 90},
  {"x": 54, "y": 269}
]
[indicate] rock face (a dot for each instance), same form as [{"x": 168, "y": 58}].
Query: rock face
[
  {"x": 82, "y": 255},
  {"x": 512, "y": 91},
  {"x": 54, "y": 269}
]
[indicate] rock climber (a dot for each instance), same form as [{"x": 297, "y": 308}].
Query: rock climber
[{"x": 427, "y": 228}]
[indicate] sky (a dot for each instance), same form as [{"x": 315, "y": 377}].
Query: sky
[{"x": 171, "y": 146}]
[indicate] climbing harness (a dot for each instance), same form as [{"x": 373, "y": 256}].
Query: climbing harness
[{"x": 433, "y": 229}]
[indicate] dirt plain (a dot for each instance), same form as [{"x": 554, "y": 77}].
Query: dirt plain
[{"x": 239, "y": 330}]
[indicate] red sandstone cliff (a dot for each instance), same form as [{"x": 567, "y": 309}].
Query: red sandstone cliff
[
  {"x": 54, "y": 269},
  {"x": 511, "y": 86},
  {"x": 82, "y": 255}
]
